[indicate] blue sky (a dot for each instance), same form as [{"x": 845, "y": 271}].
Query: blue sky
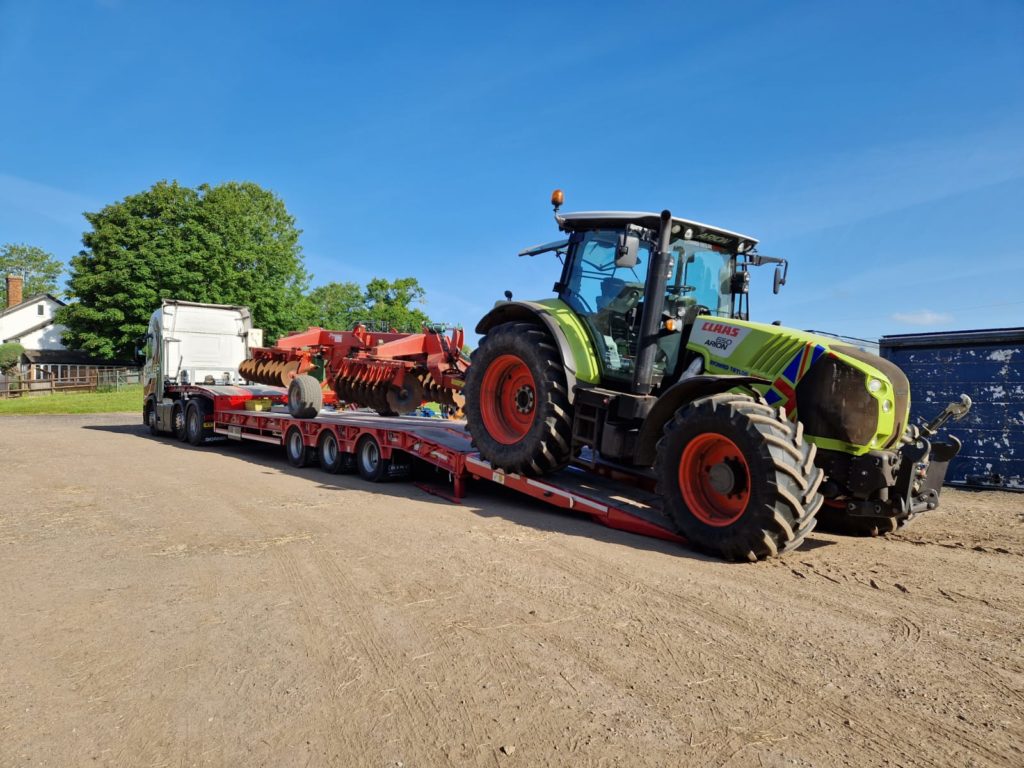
[{"x": 878, "y": 146}]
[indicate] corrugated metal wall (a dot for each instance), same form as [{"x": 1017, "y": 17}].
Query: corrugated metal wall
[{"x": 989, "y": 367}]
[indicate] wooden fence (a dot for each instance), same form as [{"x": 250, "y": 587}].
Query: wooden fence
[{"x": 31, "y": 380}]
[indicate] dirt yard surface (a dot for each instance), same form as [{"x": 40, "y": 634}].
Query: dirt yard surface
[{"x": 163, "y": 605}]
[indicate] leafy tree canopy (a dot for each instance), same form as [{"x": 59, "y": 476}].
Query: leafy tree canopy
[
  {"x": 10, "y": 354},
  {"x": 39, "y": 268},
  {"x": 382, "y": 303},
  {"x": 234, "y": 243}
]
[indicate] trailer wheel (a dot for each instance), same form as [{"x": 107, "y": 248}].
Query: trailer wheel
[
  {"x": 305, "y": 397},
  {"x": 517, "y": 402},
  {"x": 332, "y": 458},
  {"x": 370, "y": 462},
  {"x": 178, "y": 422},
  {"x": 737, "y": 478},
  {"x": 295, "y": 449},
  {"x": 195, "y": 431}
]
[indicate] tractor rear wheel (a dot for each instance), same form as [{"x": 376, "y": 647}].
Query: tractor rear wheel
[
  {"x": 305, "y": 397},
  {"x": 737, "y": 478},
  {"x": 517, "y": 401}
]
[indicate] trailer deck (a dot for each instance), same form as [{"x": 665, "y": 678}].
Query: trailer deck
[{"x": 619, "y": 500}]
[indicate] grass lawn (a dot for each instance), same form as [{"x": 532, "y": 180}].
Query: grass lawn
[{"x": 127, "y": 399}]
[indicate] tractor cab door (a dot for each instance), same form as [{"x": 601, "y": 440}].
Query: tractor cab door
[{"x": 608, "y": 298}]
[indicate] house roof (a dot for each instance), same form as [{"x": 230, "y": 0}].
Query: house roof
[
  {"x": 70, "y": 357},
  {"x": 30, "y": 300},
  {"x": 27, "y": 331}
]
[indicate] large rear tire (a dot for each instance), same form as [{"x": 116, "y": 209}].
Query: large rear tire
[
  {"x": 737, "y": 478},
  {"x": 517, "y": 401},
  {"x": 305, "y": 397}
]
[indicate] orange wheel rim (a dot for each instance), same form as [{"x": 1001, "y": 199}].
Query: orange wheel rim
[
  {"x": 508, "y": 399},
  {"x": 714, "y": 478}
]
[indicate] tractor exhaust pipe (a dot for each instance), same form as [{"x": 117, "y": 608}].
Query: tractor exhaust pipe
[{"x": 654, "y": 303}]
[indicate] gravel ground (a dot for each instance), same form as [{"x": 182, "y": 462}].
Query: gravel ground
[{"x": 164, "y": 605}]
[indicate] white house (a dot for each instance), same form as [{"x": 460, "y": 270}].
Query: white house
[{"x": 29, "y": 322}]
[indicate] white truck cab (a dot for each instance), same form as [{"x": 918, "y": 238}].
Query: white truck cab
[{"x": 193, "y": 343}]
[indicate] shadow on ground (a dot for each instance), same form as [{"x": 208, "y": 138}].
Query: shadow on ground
[{"x": 484, "y": 499}]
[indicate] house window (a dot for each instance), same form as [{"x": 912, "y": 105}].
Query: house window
[{"x": 39, "y": 309}]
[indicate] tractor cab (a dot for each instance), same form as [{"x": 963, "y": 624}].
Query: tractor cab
[{"x": 605, "y": 277}]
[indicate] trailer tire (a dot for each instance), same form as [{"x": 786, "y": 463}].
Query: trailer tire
[
  {"x": 370, "y": 463},
  {"x": 305, "y": 397},
  {"x": 737, "y": 478},
  {"x": 295, "y": 449},
  {"x": 517, "y": 401},
  {"x": 332, "y": 458},
  {"x": 178, "y": 422},
  {"x": 195, "y": 429}
]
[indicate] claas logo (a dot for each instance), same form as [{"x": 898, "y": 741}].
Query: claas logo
[{"x": 719, "y": 328}]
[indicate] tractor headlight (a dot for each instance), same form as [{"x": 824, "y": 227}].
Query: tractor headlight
[
  {"x": 886, "y": 406},
  {"x": 874, "y": 385}
]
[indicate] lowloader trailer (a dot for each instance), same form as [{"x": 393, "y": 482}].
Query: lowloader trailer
[{"x": 193, "y": 392}]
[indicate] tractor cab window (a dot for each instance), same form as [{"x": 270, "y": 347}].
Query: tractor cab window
[
  {"x": 701, "y": 276},
  {"x": 609, "y": 299}
]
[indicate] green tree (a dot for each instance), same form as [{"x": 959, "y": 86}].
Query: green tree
[
  {"x": 234, "y": 243},
  {"x": 10, "y": 354},
  {"x": 39, "y": 268},
  {"x": 383, "y": 303},
  {"x": 391, "y": 303},
  {"x": 337, "y": 306}
]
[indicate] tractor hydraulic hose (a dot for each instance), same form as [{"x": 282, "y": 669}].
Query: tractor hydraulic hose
[{"x": 654, "y": 304}]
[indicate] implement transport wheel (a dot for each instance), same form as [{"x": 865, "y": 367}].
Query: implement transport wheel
[
  {"x": 305, "y": 397},
  {"x": 835, "y": 519},
  {"x": 737, "y": 478},
  {"x": 517, "y": 404},
  {"x": 295, "y": 448},
  {"x": 332, "y": 458},
  {"x": 195, "y": 415},
  {"x": 178, "y": 422},
  {"x": 371, "y": 464}
]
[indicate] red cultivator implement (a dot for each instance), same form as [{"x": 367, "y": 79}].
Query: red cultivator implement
[{"x": 389, "y": 372}]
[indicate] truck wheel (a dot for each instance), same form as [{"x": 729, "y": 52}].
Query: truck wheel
[
  {"x": 371, "y": 464},
  {"x": 295, "y": 448},
  {"x": 517, "y": 403},
  {"x": 332, "y": 458},
  {"x": 305, "y": 397},
  {"x": 178, "y": 422},
  {"x": 195, "y": 431},
  {"x": 149, "y": 417},
  {"x": 737, "y": 478}
]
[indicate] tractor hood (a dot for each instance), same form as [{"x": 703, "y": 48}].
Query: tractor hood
[{"x": 848, "y": 399}]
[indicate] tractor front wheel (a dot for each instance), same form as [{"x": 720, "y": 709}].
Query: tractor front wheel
[
  {"x": 737, "y": 478},
  {"x": 517, "y": 402}
]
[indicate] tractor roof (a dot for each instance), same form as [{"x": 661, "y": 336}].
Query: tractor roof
[{"x": 573, "y": 222}]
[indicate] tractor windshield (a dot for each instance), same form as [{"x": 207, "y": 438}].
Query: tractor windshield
[{"x": 610, "y": 298}]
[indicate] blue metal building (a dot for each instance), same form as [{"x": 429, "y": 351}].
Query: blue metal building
[{"x": 986, "y": 365}]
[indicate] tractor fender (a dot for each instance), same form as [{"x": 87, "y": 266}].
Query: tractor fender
[
  {"x": 533, "y": 312},
  {"x": 674, "y": 398}
]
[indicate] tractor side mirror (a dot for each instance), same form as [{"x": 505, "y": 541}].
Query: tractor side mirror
[
  {"x": 780, "y": 276},
  {"x": 626, "y": 251}
]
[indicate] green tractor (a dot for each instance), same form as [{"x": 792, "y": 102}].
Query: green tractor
[{"x": 646, "y": 362}]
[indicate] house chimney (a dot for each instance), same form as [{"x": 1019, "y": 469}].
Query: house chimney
[{"x": 14, "y": 286}]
